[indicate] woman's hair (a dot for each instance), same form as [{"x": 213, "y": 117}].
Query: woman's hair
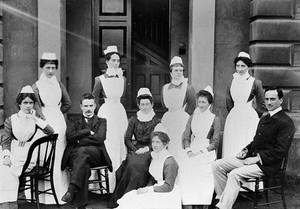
[
  {"x": 108, "y": 55},
  {"x": 43, "y": 62},
  {"x": 206, "y": 94},
  {"x": 144, "y": 96},
  {"x": 162, "y": 136},
  {"x": 176, "y": 65},
  {"x": 245, "y": 60},
  {"x": 22, "y": 96}
]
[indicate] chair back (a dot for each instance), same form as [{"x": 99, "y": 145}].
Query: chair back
[{"x": 42, "y": 154}]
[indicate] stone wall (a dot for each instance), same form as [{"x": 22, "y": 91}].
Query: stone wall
[{"x": 1, "y": 71}]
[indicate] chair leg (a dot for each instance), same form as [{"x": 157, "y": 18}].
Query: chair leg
[
  {"x": 256, "y": 193},
  {"x": 282, "y": 193},
  {"x": 36, "y": 192},
  {"x": 100, "y": 180},
  {"x": 53, "y": 190},
  {"x": 107, "y": 180},
  {"x": 266, "y": 185},
  {"x": 31, "y": 189}
]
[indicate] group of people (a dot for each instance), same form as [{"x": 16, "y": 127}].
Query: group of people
[{"x": 153, "y": 162}]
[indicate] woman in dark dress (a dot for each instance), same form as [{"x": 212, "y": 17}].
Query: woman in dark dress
[{"x": 133, "y": 173}]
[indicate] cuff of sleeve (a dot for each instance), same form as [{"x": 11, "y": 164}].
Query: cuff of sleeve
[
  {"x": 150, "y": 189},
  {"x": 188, "y": 149},
  {"x": 6, "y": 152},
  {"x": 205, "y": 150},
  {"x": 259, "y": 159},
  {"x": 42, "y": 124}
]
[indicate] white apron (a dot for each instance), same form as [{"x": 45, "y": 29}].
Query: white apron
[
  {"x": 153, "y": 200},
  {"x": 50, "y": 94},
  {"x": 242, "y": 120},
  {"x": 117, "y": 122},
  {"x": 176, "y": 118},
  {"x": 195, "y": 175},
  {"x": 23, "y": 129}
]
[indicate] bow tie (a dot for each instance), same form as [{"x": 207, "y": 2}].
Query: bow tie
[{"x": 88, "y": 118}]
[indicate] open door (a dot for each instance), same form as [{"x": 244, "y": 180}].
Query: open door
[
  {"x": 141, "y": 31},
  {"x": 112, "y": 26}
]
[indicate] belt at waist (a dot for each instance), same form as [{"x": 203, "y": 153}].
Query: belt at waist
[{"x": 112, "y": 100}]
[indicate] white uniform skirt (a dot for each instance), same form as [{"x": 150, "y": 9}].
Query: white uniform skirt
[{"x": 151, "y": 200}]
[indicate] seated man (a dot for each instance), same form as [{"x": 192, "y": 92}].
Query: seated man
[
  {"x": 85, "y": 149},
  {"x": 263, "y": 156}
]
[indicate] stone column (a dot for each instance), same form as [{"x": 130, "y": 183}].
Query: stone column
[
  {"x": 1, "y": 71},
  {"x": 20, "y": 55},
  {"x": 201, "y": 43},
  {"x": 51, "y": 32}
]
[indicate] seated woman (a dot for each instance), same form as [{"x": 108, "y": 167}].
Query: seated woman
[
  {"x": 200, "y": 140},
  {"x": 161, "y": 191},
  {"x": 19, "y": 133},
  {"x": 133, "y": 173}
]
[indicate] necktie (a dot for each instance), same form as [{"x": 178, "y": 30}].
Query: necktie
[{"x": 89, "y": 122}]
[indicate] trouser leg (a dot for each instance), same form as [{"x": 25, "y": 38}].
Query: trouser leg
[
  {"x": 83, "y": 158},
  {"x": 220, "y": 169},
  {"x": 235, "y": 178}
]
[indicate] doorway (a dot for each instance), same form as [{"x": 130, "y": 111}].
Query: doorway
[{"x": 140, "y": 29}]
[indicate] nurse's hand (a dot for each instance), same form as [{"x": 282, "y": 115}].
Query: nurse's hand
[
  {"x": 142, "y": 150},
  {"x": 7, "y": 161},
  {"x": 142, "y": 190},
  {"x": 191, "y": 154}
]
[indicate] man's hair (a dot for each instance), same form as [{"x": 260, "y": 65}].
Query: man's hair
[
  {"x": 279, "y": 91},
  {"x": 87, "y": 96}
]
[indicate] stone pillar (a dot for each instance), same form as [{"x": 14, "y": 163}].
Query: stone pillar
[
  {"x": 1, "y": 71},
  {"x": 20, "y": 53},
  {"x": 51, "y": 32},
  {"x": 201, "y": 43}
]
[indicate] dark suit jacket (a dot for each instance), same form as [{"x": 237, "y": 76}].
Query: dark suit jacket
[
  {"x": 78, "y": 134},
  {"x": 272, "y": 141}
]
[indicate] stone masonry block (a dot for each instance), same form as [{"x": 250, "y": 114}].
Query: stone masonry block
[
  {"x": 269, "y": 8},
  {"x": 1, "y": 117},
  {"x": 1, "y": 74},
  {"x": 1, "y": 96},
  {"x": 1, "y": 30},
  {"x": 275, "y": 30},
  {"x": 1, "y": 53},
  {"x": 271, "y": 53},
  {"x": 278, "y": 76}
]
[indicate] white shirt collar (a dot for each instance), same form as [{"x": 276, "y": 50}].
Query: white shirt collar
[
  {"x": 145, "y": 117},
  {"x": 273, "y": 112},
  {"x": 243, "y": 77}
]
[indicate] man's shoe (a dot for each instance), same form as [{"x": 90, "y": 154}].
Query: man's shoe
[{"x": 68, "y": 197}]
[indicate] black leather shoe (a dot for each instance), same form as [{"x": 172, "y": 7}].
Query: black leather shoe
[{"x": 68, "y": 197}]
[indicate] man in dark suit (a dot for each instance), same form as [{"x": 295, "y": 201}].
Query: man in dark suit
[
  {"x": 85, "y": 149},
  {"x": 263, "y": 156}
]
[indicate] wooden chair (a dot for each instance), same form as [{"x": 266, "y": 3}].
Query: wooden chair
[
  {"x": 275, "y": 184},
  {"x": 42, "y": 153},
  {"x": 102, "y": 178}
]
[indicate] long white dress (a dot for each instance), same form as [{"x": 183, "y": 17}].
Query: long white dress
[
  {"x": 175, "y": 118},
  {"x": 117, "y": 122},
  {"x": 195, "y": 175},
  {"x": 153, "y": 200},
  {"x": 50, "y": 93},
  {"x": 23, "y": 129},
  {"x": 242, "y": 120}
]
